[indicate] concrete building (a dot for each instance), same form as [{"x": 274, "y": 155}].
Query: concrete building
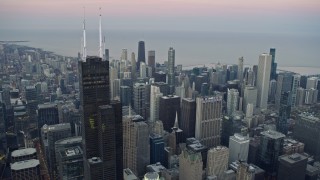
[
  {"x": 28, "y": 169},
  {"x": 208, "y": 120},
  {"x": 47, "y": 114},
  {"x": 190, "y": 165},
  {"x": 295, "y": 86},
  {"x": 292, "y": 167},
  {"x": 69, "y": 158},
  {"x": 136, "y": 154},
  {"x": 307, "y": 131},
  {"x": 232, "y": 101},
  {"x": 300, "y": 96},
  {"x": 217, "y": 161},
  {"x": 264, "y": 70},
  {"x": 50, "y": 134},
  {"x": 250, "y": 96},
  {"x": 155, "y": 95},
  {"x": 238, "y": 148}
]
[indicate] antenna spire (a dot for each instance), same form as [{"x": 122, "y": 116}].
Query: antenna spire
[
  {"x": 84, "y": 54},
  {"x": 100, "y": 37}
]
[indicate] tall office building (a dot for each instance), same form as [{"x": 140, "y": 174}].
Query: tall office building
[
  {"x": 188, "y": 117},
  {"x": 152, "y": 59},
  {"x": 171, "y": 70},
  {"x": 273, "y": 72},
  {"x": 133, "y": 66},
  {"x": 294, "y": 89},
  {"x": 272, "y": 91},
  {"x": 312, "y": 83},
  {"x": 284, "y": 112},
  {"x": 136, "y": 155},
  {"x": 156, "y": 148},
  {"x": 240, "y": 69},
  {"x": 141, "y": 53},
  {"x": 217, "y": 161},
  {"x": 271, "y": 145},
  {"x": 125, "y": 95},
  {"x": 292, "y": 167},
  {"x": 250, "y": 78},
  {"x": 300, "y": 96},
  {"x": 208, "y": 120},
  {"x": 143, "y": 70},
  {"x": 49, "y": 135},
  {"x": 169, "y": 106},
  {"x": 101, "y": 121},
  {"x": 47, "y": 114},
  {"x": 238, "y": 148},
  {"x": 232, "y": 101},
  {"x": 190, "y": 165},
  {"x": 155, "y": 95},
  {"x": 263, "y": 79},
  {"x": 139, "y": 98},
  {"x": 307, "y": 131},
  {"x": 250, "y": 96},
  {"x": 284, "y": 84},
  {"x": 69, "y": 157}
]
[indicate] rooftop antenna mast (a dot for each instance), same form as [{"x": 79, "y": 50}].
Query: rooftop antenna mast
[
  {"x": 84, "y": 54},
  {"x": 100, "y": 37}
]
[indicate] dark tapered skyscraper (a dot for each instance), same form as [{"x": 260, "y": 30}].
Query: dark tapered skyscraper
[
  {"x": 273, "y": 73},
  {"x": 141, "y": 53},
  {"x": 101, "y": 122},
  {"x": 169, "y": 106},
  {"x": 188, "y": 117}
]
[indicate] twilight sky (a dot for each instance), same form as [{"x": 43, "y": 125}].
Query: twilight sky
[{"x": 272, "y": 16}]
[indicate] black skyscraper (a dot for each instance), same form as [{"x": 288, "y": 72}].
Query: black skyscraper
[
  {"x": 169, "y": 105},
  {"x": 141, "y": 54},
  {"x": 102, "y": 122},
  {"x": 273, "y": 74},
  {"x": 284, "y": 112},
  {"x": 188, "y": 117}
]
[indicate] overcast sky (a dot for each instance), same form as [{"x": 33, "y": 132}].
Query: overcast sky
[{"x": 272, "y": 16}]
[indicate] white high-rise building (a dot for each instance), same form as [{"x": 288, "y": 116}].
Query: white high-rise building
[
  {"x": 250, "y": 97},
  {"x": 217, "y": 161},
  {"x": 238, "y": 148},
  {"x": 143, "y": 70},
  {"x": 264, "y": 70},
  {"x": 312, "y": 82},
  {"x": 124, "y": 54},
  {"x": 208, "y": 120},
  {"x": 155, "y": 95},
  {"x": 232, "y": 101}
]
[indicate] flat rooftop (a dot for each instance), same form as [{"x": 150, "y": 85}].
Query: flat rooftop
[
  {"x": 273, "y": 134},
  {"x": 23, "y": 152},
  {"x": 25, "y": 164}
]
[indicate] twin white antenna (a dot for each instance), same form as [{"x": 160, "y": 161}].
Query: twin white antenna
[{"x": 101, "y": 41}]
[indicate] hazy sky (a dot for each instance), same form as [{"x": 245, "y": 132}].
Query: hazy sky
[{"x": 280, "y": 16}]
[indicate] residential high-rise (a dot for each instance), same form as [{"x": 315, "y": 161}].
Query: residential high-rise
[
  {"x": 139, "y": 98},
  {"x": 271, "y": 145},
  {"x": 284, "y": 112},
  {"x": 263, "y": 79},
  {"x": 208, "y": 120},
  {"x": 217, "y": 161},
  {"x": 273, "y": 73},
  {"x": 136, "y": 155},
  {"x": 141, "y": 53},
  {"x": 307, "y": 131},
  {"x": 238, "y": 148},
  {"x": 155, "y": 95},
  {"x": 169, "y": 106},
  {"x": 240, "y": 69},
  {"x": 232, "y": 101},
  {"x": 292, "y": 167},
  {"x": 190, "y": 165},
  {"x": 188, "y": 117},
  {"x": 171, "y": 70}
]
